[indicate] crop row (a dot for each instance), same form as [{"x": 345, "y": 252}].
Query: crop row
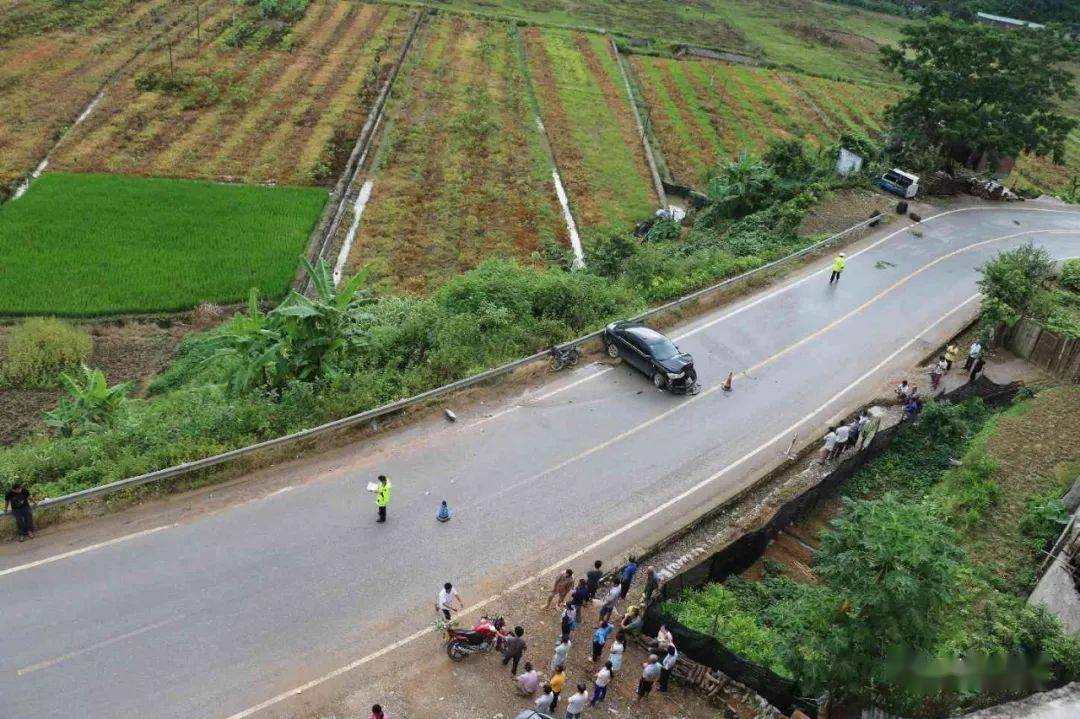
[
  {"x": 705, "y": 112},
  {"x": 285, "y": 113}
]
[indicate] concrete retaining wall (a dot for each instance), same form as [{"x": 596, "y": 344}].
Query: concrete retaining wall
[{"x": 1033, "y": 342}]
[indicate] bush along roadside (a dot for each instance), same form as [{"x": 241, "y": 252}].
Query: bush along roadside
[
  {"x": 929, "y": 562},
  {"x": 313, "y": 360}
]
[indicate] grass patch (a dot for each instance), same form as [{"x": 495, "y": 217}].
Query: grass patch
[{"x": 84, "y": 245}]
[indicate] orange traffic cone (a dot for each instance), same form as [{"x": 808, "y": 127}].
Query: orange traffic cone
[{"x": 727, "y": 382}]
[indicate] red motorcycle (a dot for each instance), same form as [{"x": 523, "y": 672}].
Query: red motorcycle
[{"x": 485, "y": 636}]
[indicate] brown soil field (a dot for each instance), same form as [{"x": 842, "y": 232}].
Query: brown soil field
[{"x": 283, "y": 110}]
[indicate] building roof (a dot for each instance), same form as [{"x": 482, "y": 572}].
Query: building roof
[{"x": 1008, "y": 20}]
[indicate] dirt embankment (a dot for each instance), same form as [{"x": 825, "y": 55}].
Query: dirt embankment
[{"x": 127, "y": 350}]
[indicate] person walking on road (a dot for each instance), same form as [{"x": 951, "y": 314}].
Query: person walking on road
[
  {"x": 18, "y": 500},
  {"x": 838, "y": 266},
  {"x": 562, "y": 651},
  {"x": 382, "y": 497},
  {"x": 976, "y": 368},
  {"x": 527, "y": 682},
  {"x": 576, "y": 703},
  {"x": 627, "y": 577},
  {"x": 563, "y": 584},
  {"x": 448, "y": 597},
  {"x": 593, "y": 577},
  {"x": 557, "y": 681},
  {"x": 974, "y": 352},
  {"x": 513, "y": 648},
  {"x": 667, "y": 666},
  {"x": 610, "y": 601},
  {"x": 615, "y": 655},
  {"x": 599, "y": 639},
  {"x": 650, "y": 672},
  {"x": 600, "y": 684}
]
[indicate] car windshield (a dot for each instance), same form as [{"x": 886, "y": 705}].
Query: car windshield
[{"x": 663, "y": 349}]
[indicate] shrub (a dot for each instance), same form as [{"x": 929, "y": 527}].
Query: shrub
[
  {"x": 1043, "y": 517},
  {"x": 970, "y": 489},
  {"x": 1070, "y": 275},
  {"x": 93, "y": 404},
  {"x": 40, "y": 349}
]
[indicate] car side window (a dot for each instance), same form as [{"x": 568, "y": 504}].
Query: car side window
[{"x": 636, "y": 342}]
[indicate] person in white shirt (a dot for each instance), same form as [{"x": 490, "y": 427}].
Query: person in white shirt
[
  {"x": 562, "y": 649},
  {"x": 543, "y": 702},
  {"x": 973, "y": 354},
  {"x": 667, "y": 666},
  {"x": 576, "y": 704},
  {"x": 448, "y": 596},
  {"x": 527, "y": 682},
  {"x": 650, "y": 672},
  {"x": 600, "y": 684},
  {"x": 841, "y": 440},
  {"x": 616, "y": 654},
  {"x": 829, "y": 446}
]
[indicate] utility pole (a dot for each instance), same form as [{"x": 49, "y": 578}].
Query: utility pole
[{"x": 198, "y": 25}]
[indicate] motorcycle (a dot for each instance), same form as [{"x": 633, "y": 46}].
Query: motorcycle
[
  {"x": 485, "y": 636},
  {"x": 563, "y": 357}
]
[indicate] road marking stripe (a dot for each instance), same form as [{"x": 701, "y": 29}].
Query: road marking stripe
[
  {"x": 84, "y": 550},
  {"x": 93, "y": 647},
  {"x": 603, "y": 540}
]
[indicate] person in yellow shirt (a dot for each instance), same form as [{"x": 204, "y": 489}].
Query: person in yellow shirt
[
  {"x": 838, "y": 266},
  {"x": 557, "y": 680},
  {"x": 952, "y": 353},
  {"x": 382, "y": 497}
]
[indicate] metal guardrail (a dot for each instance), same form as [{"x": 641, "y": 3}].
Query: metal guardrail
[{"x": 387, "y": 409}]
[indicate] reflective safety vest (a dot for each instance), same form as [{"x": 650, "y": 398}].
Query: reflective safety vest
[
  {"x": 838, "y": 264},
  {"x": 382, "y": 494}
]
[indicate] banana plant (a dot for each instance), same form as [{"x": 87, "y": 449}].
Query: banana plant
[{"x": 93, "y": 404}]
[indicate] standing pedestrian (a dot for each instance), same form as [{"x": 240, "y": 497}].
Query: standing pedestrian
[
  {"x": 378, "y": 713},
  {"x": 911, "y": 408},
  {"x": 615, "y": 656},
  {"x": 974, "y": 352},
  {"x": 937, "y": 371},
  {"x": 568, "y": 623},
  {"x": 580, "y": 596},
  {"x": 667, "y": 666},
  {"x": 952, "y": 353},
  {"x": 513, "y": 648},
  {"x": 838, "y": 266},
  {"x": 382, "y": 497},
  {"x": 842, "y": 433},
  {"x": 610, "y": 601},
  {"x": 627, "y": 578},
  {"x": 600, "y": 684},
  {"x": 976, "y": 368},
  {"x": 557, "y": 681},
  {"x": 593, "y": 577},
  {"x": 18, "y": 500},
  {"x": 527, "y": 682},
  {"x": 543, "y": 702},
  {"x": 448, "y": 596},
  {"x": 650, "y": 672},
  {"x": 563, "y": 584},
  {"x": 599, "y": 639},
  {"x": 562, "y": 650},
  {"x": 576, "y": 703},
  {"x": 652, "y": 583},
  {"x": 829, "y": 446}
]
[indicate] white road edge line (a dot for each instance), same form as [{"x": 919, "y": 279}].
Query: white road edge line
[
  {"x": 93, "y": 647},
  {"x": 84, "y": 550},
  {"x": 783, "y": 434}
]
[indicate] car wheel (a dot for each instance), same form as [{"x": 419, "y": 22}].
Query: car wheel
[
  {"x": 659, "y": 380},
  {"x": 612, "y": 350}
]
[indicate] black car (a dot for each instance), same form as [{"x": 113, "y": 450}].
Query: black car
[{"x": 651, "y": 352}]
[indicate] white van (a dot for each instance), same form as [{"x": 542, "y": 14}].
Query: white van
[{"x": 901, "y": 183}]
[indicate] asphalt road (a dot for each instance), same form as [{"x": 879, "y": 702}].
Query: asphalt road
[{"x": 212, "y": 616}]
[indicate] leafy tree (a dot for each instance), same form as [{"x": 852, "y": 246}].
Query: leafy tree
[
  {"x": 895, "y": 566},
  {"x": 1012, "y": 285},
  {"x": 93, "y": 404},
  {"x": 979, "y": 89}
]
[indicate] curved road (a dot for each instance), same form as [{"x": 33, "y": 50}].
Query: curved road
[{"x": 214, "y": 616}]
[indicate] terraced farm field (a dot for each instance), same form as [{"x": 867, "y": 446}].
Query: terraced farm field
[
  {"x": 54, "y": 56},
  {"x": 587, "y": 113},
  {"x": 282, "y": 107},
  {"x": 1044, "y": 175},
  {"x": 704, "y": 112},
  {"x": 460, "y": 174}
]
